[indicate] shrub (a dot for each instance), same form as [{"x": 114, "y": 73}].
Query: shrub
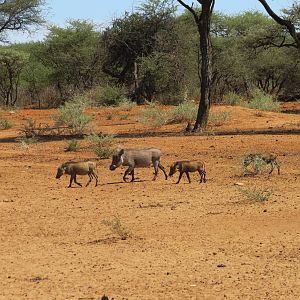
[
  {"x": 126, "y": 105},
  {"x": 124, "y": 117},
  {"x": 233, "y": 99},
  {"x": 256, "y": 194},
  {"x": 72, "y": 115},
  {"x": 254, "y": 164},
  {"x": 101, "y": 145},
  {"x": 263, "y": 101},
  {"x": 26, "y": 142},
  {"x": 184, "y": 112},
  {"x": 72, "y": 145},
  {"x": 5, "y": 124},
  {"x": 109, "y": 116},
  {"x": 218, "y": 118},
  {"x": 118, "y": 228},
  {"x": 153, "y": 116},
  {"x": 111, "y": 96}
]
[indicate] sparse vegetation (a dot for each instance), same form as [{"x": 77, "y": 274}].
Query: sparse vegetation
[
  {"x": 102, "y": 145},
  {"x": 233, "y": 99},
  {"x": 254, "y": 164},
  {"x": 184, "y": 112},
  {"x": 109, "y": 116},
  {"x": 5, "y": 124},
  {"x": 153, "y": 116},
  {"x": 118, "y": 228},
  {"x": 257, "y": 194},
  {"x": 72, "y": 115},
  {"x": 124, "y": 117},
  {"x": 218, "y": 118},
  {"x": 72, "y": 145},
  {"x": 111, "y": 96},
  {"x": 263, "y": 101},
  {"x": 26, "y": 142}
]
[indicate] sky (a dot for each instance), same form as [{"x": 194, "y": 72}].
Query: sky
[{"x": 102, "y": 12}]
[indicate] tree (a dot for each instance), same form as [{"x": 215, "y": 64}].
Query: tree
[
  {"x": 203, "y": 20},
  {"x": 73, "y": 55},
  {"x": 134, "y": 38},
  {"x": 19, "y": 15},
  {"x": 288, "y": 24},
  {"x": 11, "y": 64}
]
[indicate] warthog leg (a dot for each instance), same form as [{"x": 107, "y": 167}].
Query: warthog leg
[
  {"x": 91, "y": 177},
  {"x": 76, "y": 181},
  {"x": 202, "y": 176},
  {"x": 188, "y": 176},
  {"x": 163, "y": 169},
  {"x": 96, "y": 177},
  {"x": 128, "y": 171},
  {"x": 179, "y": 178}
]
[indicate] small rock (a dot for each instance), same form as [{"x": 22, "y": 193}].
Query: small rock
[
  {"x": 221, "y": 266},
  {"x": 239, "y": 183}
]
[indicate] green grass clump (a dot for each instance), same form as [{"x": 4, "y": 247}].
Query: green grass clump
[
  {"x": 118, "y": 228},
  {"x": 153, "y": 116},
  {"x": 72, "y": 115},
  {"x": 72, "y": 145},
  {"x": 262, "y": 101},
  {"x": 184, "y": 112},
  {"x": 232, "y": 99},
  {"x": 256, "y": 194},
  {"x": 218, "y": 118},
  {"x": 5, "y": 124},
  {"x": 102, "y": 145}
]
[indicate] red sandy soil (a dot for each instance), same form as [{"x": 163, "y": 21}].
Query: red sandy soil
[{"x": 188, "y": 241}]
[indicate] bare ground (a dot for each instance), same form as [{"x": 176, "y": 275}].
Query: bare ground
[{"x": 188, "y": 241}]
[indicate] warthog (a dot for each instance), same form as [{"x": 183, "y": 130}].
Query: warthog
[
  {"x": 257, "y": 160},
  {"x": 186, "y": 166},
  {"x": 137, "y": 158},
  {"x": 78, "y": 168}
]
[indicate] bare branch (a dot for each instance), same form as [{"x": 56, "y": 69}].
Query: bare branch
[{"x": 190, "y": 9}]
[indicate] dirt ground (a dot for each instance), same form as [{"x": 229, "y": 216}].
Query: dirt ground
[{"x": 187, "y": 241}]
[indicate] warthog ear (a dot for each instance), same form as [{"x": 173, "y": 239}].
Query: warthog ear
[{"x": 121, "y": 152}]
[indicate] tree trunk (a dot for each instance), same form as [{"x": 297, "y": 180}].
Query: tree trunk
[{"x": 206, "y": 70}]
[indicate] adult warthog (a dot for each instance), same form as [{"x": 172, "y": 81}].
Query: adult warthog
[{"x": 137, "y": 158}]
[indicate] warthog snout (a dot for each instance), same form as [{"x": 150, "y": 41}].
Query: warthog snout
[
  {"x": 112, "y": 167},
  {"x": 60, "y": 172}
]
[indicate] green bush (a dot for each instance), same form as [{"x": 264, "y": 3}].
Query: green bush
[
  {"x": 153, "y": 116},
  {"x": 232, "y": 99},
  {"x": 218, "y": 118},
  {"x": 263, "y": 101},
  {"x": 184, "y": 112},
  {"x": 5, "y": 124},
  {"x": 256, "y": 194},
  {"x": 72, "y": 145},
  {"x": 72, "y": 115},
  {"x": 126, "y": 105},
  {"x": 111, "y": 96},
  {"x": 102, "y": 145},
  {"x": 118, "y": 228}
]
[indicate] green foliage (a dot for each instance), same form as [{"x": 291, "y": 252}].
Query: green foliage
[
  {"x": 109, "y": 116},
  {"x": 26, "y": 142},
  {"x": 126, "y": 105},
  {"x": 254, "y": 164},
  {"x": 184, "y": 112},
  {"x": 218, "y": 118},
  {"x": 72, "y": 145},
  {"x": 153, "y": 116},
  {"x": 11, "y": 65},
  {"x": 263, "y": 101},
  {"x": 118, "y": 228},
  {"x": 72, "y": 115},
  {"x": 111, "y": 96},
  {"x": 19, "y": 15},
  {"x": 5, "y": 124},
  {"x": 102, "y": 145},
  {"x": 257, "y": 194},
  {"x": 73, "y": 55},
  {"x": 124, "y": 117},
  {"x": 232, "y": 99}
]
